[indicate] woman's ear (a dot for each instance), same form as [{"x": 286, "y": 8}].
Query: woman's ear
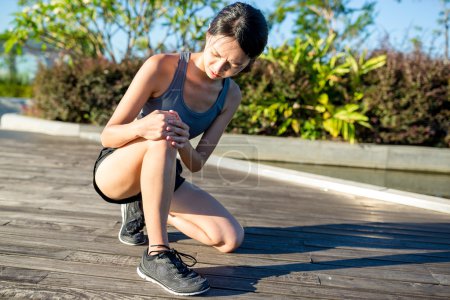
[{"x": 249, "y": 66}]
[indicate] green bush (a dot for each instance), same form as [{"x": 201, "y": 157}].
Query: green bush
[
  {"x": 86, "y": 91},
  {"x": 306, "y": 90},
  {"x": 408, "y": 101},
  {"x": 302, "y": 90}
]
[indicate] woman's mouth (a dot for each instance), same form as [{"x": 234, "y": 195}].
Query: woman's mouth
[{"x": 214, "y": 74}]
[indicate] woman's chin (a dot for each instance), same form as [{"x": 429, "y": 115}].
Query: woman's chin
[{"x": 213, "y": 76}]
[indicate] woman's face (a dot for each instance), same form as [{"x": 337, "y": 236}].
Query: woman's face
[{"x": 223, "y": 57}]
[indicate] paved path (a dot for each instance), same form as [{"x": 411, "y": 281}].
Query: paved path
[{"x": 59, "y": 239}]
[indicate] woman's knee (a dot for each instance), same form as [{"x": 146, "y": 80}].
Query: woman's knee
[
  {"x": 232, "y": 240},
  {"x": 160, "y": 147}
]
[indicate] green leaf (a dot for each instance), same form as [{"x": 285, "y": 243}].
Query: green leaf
[
  {"x": 358, "y": 96},
  {"x": 365, "y": 124},
  {"x": 345, "y": 132},
  {"x": 351, "y": 107},
  {"x": 287, "y": 112},
  {"x": 353, "y": 64},
  {"x": 373, "y": 63},
  {"x": 10, "y": 43},
  {"x": 323, "y": 99},
  {"x": 295, "y": 125}
]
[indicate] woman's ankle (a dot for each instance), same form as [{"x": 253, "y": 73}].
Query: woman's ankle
[{"x": 155, "y": 249}]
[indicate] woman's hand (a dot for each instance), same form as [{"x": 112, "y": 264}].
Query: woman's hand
[
  {"x": 177, "y": 131},
  {"x": 164, "y": 125},
  {"x": 154, "y": 126}
]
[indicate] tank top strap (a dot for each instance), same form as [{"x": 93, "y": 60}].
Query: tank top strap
[
  {"x": 223, "y": 94},
  {"x": 180, "y": 73}
]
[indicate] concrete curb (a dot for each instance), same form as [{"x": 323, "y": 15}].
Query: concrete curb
[
  {"x": 383, "y": 157},
  {"x": 333, "y": 184},
  {"x": 23, "y": 123},
  {"x": 13, "y": 121}
]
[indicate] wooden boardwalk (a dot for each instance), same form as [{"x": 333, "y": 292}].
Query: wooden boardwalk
[{"x": 58, "y": 239}]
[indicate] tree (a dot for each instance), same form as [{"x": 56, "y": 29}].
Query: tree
[
  {"x": 444, "y": 21},
  {"x": 85, "y": 28},
  {"x": 323, "y": 18},
  {"x": 9, "y": 58}
]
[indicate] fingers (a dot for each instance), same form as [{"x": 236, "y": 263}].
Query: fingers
[
  {"x": 176, "y": 145},
  {"x": 177, "y": 131},
  {"x": 169, "y": 124},
  {"x": 172, "y": 116},
  {"x": 177, "y": 138},
  {"x": 179, "y": 124},
  {"x": 173, "y": 112}
]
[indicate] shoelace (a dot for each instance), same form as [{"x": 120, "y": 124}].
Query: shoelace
[{"x": 178, "y": 256}]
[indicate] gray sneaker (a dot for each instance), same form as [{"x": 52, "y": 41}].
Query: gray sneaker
[
  {"x": 168, "y": 270},
  {"x": 132, "y": 224}
]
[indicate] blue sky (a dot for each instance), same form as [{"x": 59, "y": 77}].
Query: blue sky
[{"x": 399, "y": 19}]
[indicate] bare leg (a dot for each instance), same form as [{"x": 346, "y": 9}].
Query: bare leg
[
  {"x": 192, "y": 210},
  {"x": 157, "y": 184},
  {"x": 147, "y": 167},
  {"x": 200, "y": 216}
]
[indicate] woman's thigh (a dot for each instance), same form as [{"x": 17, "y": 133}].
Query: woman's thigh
[
  {"x": 200, "y": 208},
  {"x": 118, "y": 176}
]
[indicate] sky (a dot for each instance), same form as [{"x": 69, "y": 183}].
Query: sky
[{"x": 399, "y": 19}]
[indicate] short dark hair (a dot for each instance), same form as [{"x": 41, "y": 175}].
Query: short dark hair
[{"x": 244, "y": 23}]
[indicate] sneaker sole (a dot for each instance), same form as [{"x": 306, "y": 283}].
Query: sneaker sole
[
  {"x": 123, "y": 211},
  {"x": 143, "y": 276}
]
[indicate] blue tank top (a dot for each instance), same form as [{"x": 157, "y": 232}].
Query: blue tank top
[{"x": 172, "y": 98}]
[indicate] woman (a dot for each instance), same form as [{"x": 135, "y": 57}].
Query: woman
[{"x": 172, "y": 99}]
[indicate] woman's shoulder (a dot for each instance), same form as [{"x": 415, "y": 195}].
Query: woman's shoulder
[
  {"x": 164, "y": 57},
  {"x": 164, "y": 62},
  {"x": 234, "y": 96},
  {"x": 234, "y": 91}
]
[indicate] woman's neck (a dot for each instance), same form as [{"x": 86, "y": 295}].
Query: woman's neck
[{"x": 199, "y": 67}]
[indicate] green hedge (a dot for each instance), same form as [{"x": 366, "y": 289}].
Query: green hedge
[
  {"x": 86, "y": 91},
  {"x": 408, "y": 101},
  {"x": 311, "y": 95}
]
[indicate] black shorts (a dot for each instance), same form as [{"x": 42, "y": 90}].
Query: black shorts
[{"x": 107, "y": 151}]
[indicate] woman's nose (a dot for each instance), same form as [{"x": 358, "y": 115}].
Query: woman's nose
[{"x": 220, "y": 66}]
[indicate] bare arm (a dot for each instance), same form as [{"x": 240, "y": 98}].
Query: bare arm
[
  {"x": 121, "y": 128},
  {"x": 194, "y": 159}
]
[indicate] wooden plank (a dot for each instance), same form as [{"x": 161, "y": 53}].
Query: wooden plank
[
  {"x": 443, "y": 279},
  {"x": 19, "y": 290},
  {"x": 324, "y": 230},
  {"x": 401, "y": 288},
  {"x": 50, "y": 215},
  {"x": 15, "y": 248},
  {"x": 275, "y": 270},
  {"x": 255, "y": 248},
  {"x": 238, "y": 284},
  {"x": 314, "y": 293},
  {"x": 249, "y": 266},
  {"x": 140, "y": 287},
  {"x": 287, "y": 222},
  {"x": 21, "y": 275}
]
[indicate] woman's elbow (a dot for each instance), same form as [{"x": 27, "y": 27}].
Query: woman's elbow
[
  {"x": 103, "y": 139},
  {"x": 195, "y": 167}
]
